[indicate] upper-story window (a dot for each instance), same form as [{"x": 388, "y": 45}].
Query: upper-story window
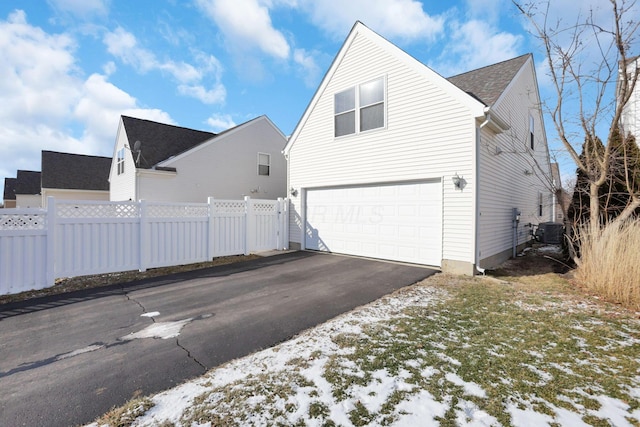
[
  {"x": 359, "y": 108},
  {"x": 264, "y": 164},
  {"x": 531, "y": 133},
  {"x": 120, "y": 161}
]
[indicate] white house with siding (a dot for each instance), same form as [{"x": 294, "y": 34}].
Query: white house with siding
[
  {"x": 630, "y": 119},
  {"x": 166, "y": 163},
  {"x": 391, "y": 160}
]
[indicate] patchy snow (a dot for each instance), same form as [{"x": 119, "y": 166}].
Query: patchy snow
[
  {"x": 87, "y": 349},
  {"x": 301, "y": 366},
  {"x": 151, "y": 314},
  {"x": 470, "y": 389},
  {"x": 163, "y": 330}
]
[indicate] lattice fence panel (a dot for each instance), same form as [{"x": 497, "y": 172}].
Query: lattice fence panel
[
  {"x": 265, "y": 207},
  {"x": 23, "y": 221},
  {"x": 107, "y": 210},
  {"x": 229, "y": 207}
]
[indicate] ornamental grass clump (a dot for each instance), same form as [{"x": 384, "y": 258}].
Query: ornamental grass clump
[{"x": 609, "y": 261}]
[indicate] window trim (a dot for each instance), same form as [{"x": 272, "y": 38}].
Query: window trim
[
  {"x": 532, "y": 144},
  {"x": 120, "y": 161},
  {"x": 540, "y": 204},
  {"x": 268, "y": 164},
  {"x": 358, "y": 108}
]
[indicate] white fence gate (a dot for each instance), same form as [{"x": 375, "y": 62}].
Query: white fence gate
[{"x": 77, "y": 238}]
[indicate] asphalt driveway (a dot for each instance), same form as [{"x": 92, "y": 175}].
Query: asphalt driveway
[{"x": 66, "y": 359}]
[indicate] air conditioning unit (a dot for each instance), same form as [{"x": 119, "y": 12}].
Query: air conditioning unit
[{"x": 550, "y": 233}]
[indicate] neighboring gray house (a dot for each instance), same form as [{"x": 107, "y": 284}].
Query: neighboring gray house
[
  {"x": 9, "y": 198},
  {"x": 28, "y": 189},
  {"x": 160, "y": 162},
  {"x": 393, "y": 161},
  {"x": 74, "y": 176}
]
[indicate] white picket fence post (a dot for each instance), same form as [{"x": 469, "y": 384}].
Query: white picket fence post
[
  {"x": 210, "y": 230},
  {"x": 249, "y": 225},
  {"x": 144, "y": 244},
  {"x": 51, "y": 241}
]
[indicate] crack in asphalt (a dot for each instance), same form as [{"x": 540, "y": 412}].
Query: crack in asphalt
[
  {"x": 144, "y": 311},
  {"x": 138, "y": 303},
  {"x": 190, "y": 356}
]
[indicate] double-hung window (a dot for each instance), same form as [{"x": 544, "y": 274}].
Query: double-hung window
[
  {"x": 120, "y": 161},
  {"x": 359, "y": 108},
  {"x": 264, "y": 164}
]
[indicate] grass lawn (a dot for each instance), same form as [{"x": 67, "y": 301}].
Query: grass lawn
[{"x": 522, "y": 348}]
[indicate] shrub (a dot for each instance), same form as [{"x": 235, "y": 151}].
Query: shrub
[{"x": 609, "y": 261}]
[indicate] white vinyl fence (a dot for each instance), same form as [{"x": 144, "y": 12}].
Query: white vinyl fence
[{"x": 77, "y": 238}]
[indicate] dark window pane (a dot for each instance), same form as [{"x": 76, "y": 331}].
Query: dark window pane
[
  {"x": 372, "y": 117},
  {"x": 345, "y": 123},
  {"x": 263, "y": 170}
]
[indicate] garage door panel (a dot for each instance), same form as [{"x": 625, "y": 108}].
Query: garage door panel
[{"x": 400, "y": 222}]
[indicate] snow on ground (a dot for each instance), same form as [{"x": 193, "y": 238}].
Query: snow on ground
[{"x": 300, "y": 367}]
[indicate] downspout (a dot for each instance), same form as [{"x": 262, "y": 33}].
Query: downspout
[
  {"x": 498, "y": 126},
  {"x": 476, "y": 198},
  {"x": 553, "y": 201}
]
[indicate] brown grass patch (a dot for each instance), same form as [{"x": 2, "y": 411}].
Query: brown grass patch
[{"x": 609, "y": 262}]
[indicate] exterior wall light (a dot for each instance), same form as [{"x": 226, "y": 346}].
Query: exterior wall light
[
  {"x": 458, "y": 182},
  {"x": 293, "y": 192}
]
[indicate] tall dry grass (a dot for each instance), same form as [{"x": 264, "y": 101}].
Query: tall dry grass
[{"x": 609, "y": 262}]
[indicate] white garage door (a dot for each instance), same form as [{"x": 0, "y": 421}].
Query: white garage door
[{"x": 400, "y": 222}]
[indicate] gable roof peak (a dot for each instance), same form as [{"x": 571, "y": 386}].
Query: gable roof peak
[{"x": 161, "y": 141}]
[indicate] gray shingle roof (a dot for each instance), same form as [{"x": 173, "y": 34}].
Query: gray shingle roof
[
  {"x": 160, "y": 141},
  {"x": 75, "y": 171},
  {"x": 486, "y": 84},
  {"x": 10, "y": 188},
  {"x": 28, "y": 182}
]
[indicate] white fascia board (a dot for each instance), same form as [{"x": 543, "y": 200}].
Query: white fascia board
[
  {"x": 153, "y": 173},
  {"x": 115, "y": 145}
]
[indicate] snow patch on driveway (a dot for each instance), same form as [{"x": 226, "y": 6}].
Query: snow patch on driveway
[{"x": 163, "y": 330}]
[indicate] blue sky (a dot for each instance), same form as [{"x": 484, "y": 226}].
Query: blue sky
[{"x": 70, "y": 68}]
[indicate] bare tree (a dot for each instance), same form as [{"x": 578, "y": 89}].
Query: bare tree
[{"x": 585, "y": 61}]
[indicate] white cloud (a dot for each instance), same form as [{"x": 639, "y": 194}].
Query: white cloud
[
  {"x": 216, "y": 95},
  {"x": 308, "y": 67},
  {"x": 220, "y": 122},
  {"x": 403, "y": 20},
  {"x": 47, "y": 103},
  {"x": 475, "y": 44},
  {"x": 82, "y": 8},
  {"x": 124, "y": 46},
  {"x": 247, "y": 24}
]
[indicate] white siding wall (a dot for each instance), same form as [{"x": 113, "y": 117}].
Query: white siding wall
[
  {"x": 28, "y": 201},
  {"x": 73, "y": 195},
  {"x": 227, "y": 168},
  {"x": 429, "y": 134},
  {"x": 503, "y": 182},
  {"x": 631, "y": 111},
  {"x": 122, "y": 187}
]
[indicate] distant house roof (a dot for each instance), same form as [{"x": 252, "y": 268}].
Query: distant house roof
[
  {"x": 486, "y": 84},
  {"x": 10, "y": 188},
  {"x": 75, "y": 171},
  {"x": 28, "y": 182},
  {"x": 159, "y": 141}
]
